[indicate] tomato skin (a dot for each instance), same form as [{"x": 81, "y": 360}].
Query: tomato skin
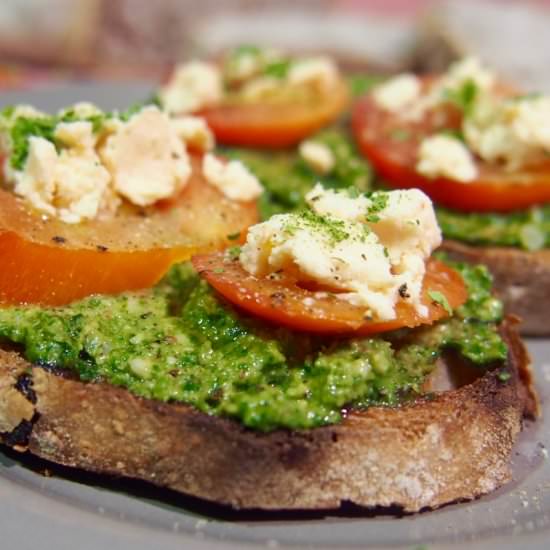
[
  {"x": 33, "y": 273},
  {"x": 48, "y": 262},
  {"x": 273, "y": 125},
  {"x": 285, "y": 303},
  {"x": 495, "y": 190}
]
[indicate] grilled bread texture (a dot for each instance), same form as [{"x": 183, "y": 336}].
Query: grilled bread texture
[
  {"x": 446, "y": 446},
  {"x": 521, "y": 280}
]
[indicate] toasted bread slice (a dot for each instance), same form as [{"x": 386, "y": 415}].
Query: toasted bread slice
[
  {"x": 521, "y": 280},
  {"x": 452, "y": 445}
]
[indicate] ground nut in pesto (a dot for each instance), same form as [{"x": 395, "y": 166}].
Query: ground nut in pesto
[{"x": 179, "y": 342}]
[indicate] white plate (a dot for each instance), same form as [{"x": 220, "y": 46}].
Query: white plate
[{"x": 73, "y": 510}]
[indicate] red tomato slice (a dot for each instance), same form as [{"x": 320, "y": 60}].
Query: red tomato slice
[
  {"x": 496, "y": 189},
  {"x": 274, "y": 124},
  {"x": 49, "y": 262},
  {"x": 284, "y": 302}
]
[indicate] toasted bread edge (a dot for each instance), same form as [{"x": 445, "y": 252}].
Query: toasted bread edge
[
  {"x": 521, "y": 280},
  {"x": 450, "y": 446}
]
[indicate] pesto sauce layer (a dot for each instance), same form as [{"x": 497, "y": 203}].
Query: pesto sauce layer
[
  {"x": 179, "y": 342},
  {"x": 528, "y": 229}
]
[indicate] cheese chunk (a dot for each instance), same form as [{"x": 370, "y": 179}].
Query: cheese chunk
[
  {"x": 340, "y": 205},
  {"x": 403, "y": 94},
  {"x": 514, "y": 132},
  {"x": 78, "y": 135},
  {"x": 192, "y": 86},
  {"x": 232, "y": 178},
  {"x": 333, "y": 244},
  {"x": 146, "y": 158},
  {"x": 320, "y": 73},
  {"x": 398, "y": 92},
  {"x": 194, "y": 131},
  {"x": 67, "y": 185},
  {"x": 82, "y": 109},
  {"x": 318, "y": 156},
  {"x": 261, "y": 87},
  {"x": 87, "y": 167},
  {"x": 468, "y": 69},
  {"x": 445, "y": 156}
]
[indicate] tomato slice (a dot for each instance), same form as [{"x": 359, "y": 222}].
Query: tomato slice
[
  {"x": 49, "y": 262},
  {"x": 391, "y": 145},
  {"x": 273, "y": 125},
  {"x": 284, "y": 302}
]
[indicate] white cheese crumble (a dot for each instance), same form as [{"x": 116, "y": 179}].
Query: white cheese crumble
[
  {"x": 318, "y": 156},
  {"x": 403, "y": 93},
  {"x": 468, "y": 69},
  {"x": 340, "y": 205},
  {"x": 89, "y": 171},
  {"x": 69, "y": 185},
  {"x": 515, "y": 132},
  {"x": 82, "y": 109},
  {"x": 232, "y": 178},
  {"x": 398, "y": 92},
  {"x": 146, "y": 159},
  {"x": 320, "y": 73},
  {"x": 194, "y": 131},
  {"x": 260, "y": 88},
  {"x": 78, "y": 135},
  {"x": 366, "y": 263},
  {"x": 192, "y": 86},
  {"x": 244, "y": 65},
  {"x": 27, "y": 111},
  {"x": 444, "y": 156}
]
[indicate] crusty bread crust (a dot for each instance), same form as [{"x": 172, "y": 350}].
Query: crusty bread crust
[
  {"x": 452, "y": 446},
  {"x": 521, "y": 280}
]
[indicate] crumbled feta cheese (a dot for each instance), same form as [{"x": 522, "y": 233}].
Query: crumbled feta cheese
[
  {"x": 515, "y": 132},
  {"x": 142, "y": 159},
  {"x": 397, "y": 93},
  {"x": 318, "y": 156},
  {"x": 245, "y": 66},
  {"x": 192, "y": 86},
  {"x": 445, "y": 156},
  {"x": 69, "y": 184},
  {"x": 261, "y": 87},
  {"x": 367, "y": 262},
  {"x": 329, "y": 202},
  {"x": 246, "y": 63},
  {"x": 82, "y": 109},
  {"x": 468, "y": 69},
  {"x": 27, "y": 111},
  {"x": 146, "y": 158},
  {"x": 232, "y": 178},
  {"x": 321, "y": 73},
  {"x": 78, "y": 134},
  {"x": 403, "y": 93},
  {"x": 195, "y": 132}
]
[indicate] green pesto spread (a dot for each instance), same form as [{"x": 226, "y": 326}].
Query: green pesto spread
[
  {"x": 179, "y": 342},
  {"x": 527, "y": 229},
  {"x": 287, "y": 178}
]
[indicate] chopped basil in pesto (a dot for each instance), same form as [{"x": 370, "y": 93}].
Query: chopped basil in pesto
[
  {"x": 527, "y": 229},
  {"x": 180, "y": 342}
]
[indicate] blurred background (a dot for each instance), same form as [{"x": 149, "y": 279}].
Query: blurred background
[{"x": 50, "y": 40}]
